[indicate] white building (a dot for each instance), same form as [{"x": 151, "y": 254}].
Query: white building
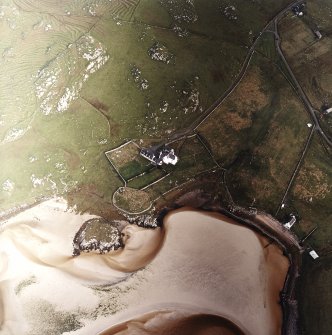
[
  {"x": 291, "y": 222},
  {"x": 318, "y": 34},
  {"x": 171, "y": 158},
  {"x": 313, "y": 254}
]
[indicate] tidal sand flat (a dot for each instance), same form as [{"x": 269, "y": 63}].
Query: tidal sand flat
[
  {"x": 176, "y": 323},
  {"x": 199, "y": 269}
]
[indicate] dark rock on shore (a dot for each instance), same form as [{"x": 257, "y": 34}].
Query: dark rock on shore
[{"x": 98, "y": 235}]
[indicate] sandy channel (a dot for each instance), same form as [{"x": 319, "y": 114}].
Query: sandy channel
[{"x": 197, "y": 267}]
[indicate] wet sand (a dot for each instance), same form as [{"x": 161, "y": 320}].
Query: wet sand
[
  {"x": 38, "y": 242},
  {"x": 210, "y": 263},
  {"x": 176, "y": 323},
  {"x": 200, "y": 263}
]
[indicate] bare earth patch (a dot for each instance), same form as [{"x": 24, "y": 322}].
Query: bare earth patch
[
  {"x": 312, "y": 184},
  {"x": 248, "y": 98}
]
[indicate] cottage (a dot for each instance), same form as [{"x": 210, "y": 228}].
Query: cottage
[
  {"x": 291, "y": 222},
  {"x": 160, "y": 155},
  {"x": 313, "y": 254}
]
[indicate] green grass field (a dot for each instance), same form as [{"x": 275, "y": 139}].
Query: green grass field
[
  {"x": 63, "y": 106},
  {"x": 68, "y": 94},
  {"x": 310, "y": 57}
]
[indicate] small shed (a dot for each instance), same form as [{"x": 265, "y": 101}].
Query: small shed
[
  {"x": 318, "y": 34},
  {"x": 313, "y": 254},
  {"x": 327, "y": 110},
  {"x": 291, "y": 222}
]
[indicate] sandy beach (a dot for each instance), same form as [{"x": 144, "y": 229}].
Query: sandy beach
[{"x": 198, "y": 266}]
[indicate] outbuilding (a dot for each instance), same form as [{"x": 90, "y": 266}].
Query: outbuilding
[
  {"x": 291, "y": 222},
  {"x": 313, "y": 254},
  {"x": 318, "y": 34}
]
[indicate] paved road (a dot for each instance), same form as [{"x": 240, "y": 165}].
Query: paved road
[
  {"x": 297, "y": 168},
  {"x": 298, "y": 87}
]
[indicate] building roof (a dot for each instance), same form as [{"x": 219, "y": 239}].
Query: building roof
[
  {"x": 291, "y": 222},
  {"x": 313, "y": 254},
  {"x": 159, "y": 155},
  {"x": 318, "y": 34}
]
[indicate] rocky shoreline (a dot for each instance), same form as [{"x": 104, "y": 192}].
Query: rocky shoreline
[{"x": 98, "y": 235}]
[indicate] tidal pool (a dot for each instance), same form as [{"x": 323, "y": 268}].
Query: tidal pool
[{"x": 199, "y": 269}]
